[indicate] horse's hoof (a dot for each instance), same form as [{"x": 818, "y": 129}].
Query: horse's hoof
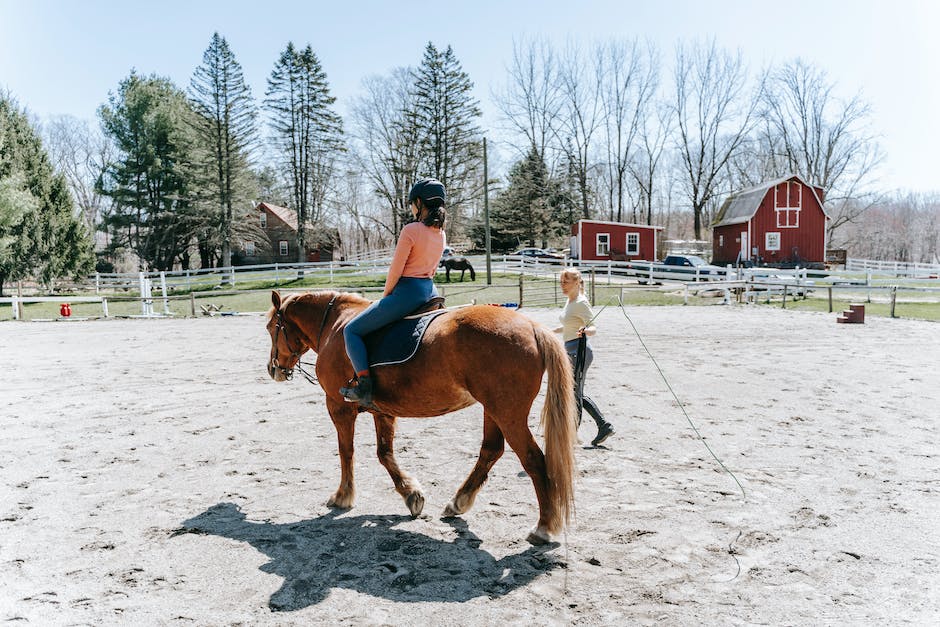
[
  {"x": 415, "y": 503},
  {"x": 339, "y": 502},
  {"x": 450, "y": 511},
  {"x": 538, "y": 537}
]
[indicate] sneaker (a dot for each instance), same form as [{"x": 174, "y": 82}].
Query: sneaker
[
  {"x": 358, "y": 391},
  {"x": 603, "y": 432}
]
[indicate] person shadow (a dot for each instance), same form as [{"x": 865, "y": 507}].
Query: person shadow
[{"x": 368, "y": 554}]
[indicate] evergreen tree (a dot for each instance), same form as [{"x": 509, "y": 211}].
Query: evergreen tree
[
  {"x": 307, "y": 133},
  {"x": 225, "y": 125},
  {"x": 445, "y": 116},
  {"x": 527, "y": 212},
  {"x": 149, "y": 182},
  {"x": 40, "y": 234}
]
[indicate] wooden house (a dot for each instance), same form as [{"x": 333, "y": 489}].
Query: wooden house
[
  {"x": 278, "y": 229},
  {"x": 596, "y": 240},
  {"x": 780, "y": 223}
]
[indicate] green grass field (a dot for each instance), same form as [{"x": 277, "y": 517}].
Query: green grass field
[{"x": 539, "y": 292}]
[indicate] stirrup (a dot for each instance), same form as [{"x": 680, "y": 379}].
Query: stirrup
[{"x": 360, "y": 393}]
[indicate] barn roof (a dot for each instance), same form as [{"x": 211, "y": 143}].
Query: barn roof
[
  {"x": 741, "y": 206},
  {"x": 288, "y": 216}
]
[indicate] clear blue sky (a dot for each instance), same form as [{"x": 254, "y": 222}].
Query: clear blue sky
[{"x": 63, "y": 57}]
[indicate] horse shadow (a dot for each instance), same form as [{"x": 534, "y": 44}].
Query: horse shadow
[{"x": 367, "y": 554}]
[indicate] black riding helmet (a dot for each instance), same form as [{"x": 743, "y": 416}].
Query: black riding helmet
[{"x": 427, "y": 189}]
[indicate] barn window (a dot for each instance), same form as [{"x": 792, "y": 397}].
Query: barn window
[
  {"x": 721, "y": 241},
  {"x": 250, "y": 249},
  {"x": 603, "y": 244},
  {"x": 284, "y": 249},
  {"x": 264, "y": 220},
  {"x": 633, "y": 243},
  {"x": 788, "y": 199}
]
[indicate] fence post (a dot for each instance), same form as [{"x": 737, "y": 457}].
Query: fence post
[
  {"x": 16, "y": 308},
  {"x": 868, "y": 283},
  {"x": 166, "y": 302},
  {"x": 894, "y": 295},
  {"x": 784, "y": 306},
  {"x": 192, "y": 304},
  {"x": 97, "y": 283},
  {"x": 104, "y": 306},
  {"x": 520, "y": 289},
  {"x": 593, "y": 283},
  {"x": 830, "y": 299},
  {"x": 233, "y": 277},
  {"x": 277, "y": 276}
]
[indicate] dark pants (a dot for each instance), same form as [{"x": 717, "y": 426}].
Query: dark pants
[{"x": 571, "y": 347}]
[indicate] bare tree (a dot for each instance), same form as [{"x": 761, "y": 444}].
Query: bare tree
[
  {"x": 531, "y": 100},
  {"x": 715, "y": 112},
  {"x": 807, "y": 130},
  {"x": 82, "y": 153},
  {"x": 386, "y": 146},
  {"x": 582, "y": 117},
  {"x": 629, "y": 77},
  {"x": 655, "y": 130}
]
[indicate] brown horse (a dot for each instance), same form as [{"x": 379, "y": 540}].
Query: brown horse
[{"x": 489, "y": 355}]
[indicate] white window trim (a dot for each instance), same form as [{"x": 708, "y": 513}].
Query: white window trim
[
  {"x": 784, "y": 212},
  {"x": 768, "y": 245},
  {"x": 602, "y": 244},
  {"x": 284, "y": 247},
  {"x": 635, "y": 249},
  {"x": 264, "y": 220},
  {"x": 250, "y": 249}
]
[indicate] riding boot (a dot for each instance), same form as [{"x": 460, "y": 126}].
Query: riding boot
[
  {"x": 360, "y": 393},
  {"x": 604, "y": 428}
]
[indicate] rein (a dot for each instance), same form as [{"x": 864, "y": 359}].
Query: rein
[{"x": 281, "y": 327}]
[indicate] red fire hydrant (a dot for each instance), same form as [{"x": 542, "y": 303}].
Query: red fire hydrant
[{"x": 65, "y": 310}]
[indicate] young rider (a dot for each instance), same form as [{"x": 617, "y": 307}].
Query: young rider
[
  {"x": 575, "y": 321},
  {"x": 410, "y": 281}
]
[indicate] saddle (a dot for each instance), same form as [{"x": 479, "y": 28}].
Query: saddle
[
  {"x": 398, "y": 342},
  {"x": 432, "y": 305}
]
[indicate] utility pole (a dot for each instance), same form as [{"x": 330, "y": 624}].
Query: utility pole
[{"x": 486, "y": 215}]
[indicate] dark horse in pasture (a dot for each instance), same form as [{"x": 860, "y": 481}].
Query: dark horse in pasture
[
  {"x": 457, "y": 263},
  {"x": 489, "y": 355}
]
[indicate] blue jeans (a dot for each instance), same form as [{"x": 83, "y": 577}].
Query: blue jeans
[{"x": 409, "y": 294}]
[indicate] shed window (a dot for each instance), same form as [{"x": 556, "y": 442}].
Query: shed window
[
  {"x": 264, "y": 220},
  {"x": 603, "y": 244},
  {"x": 284, "y": 248},
  {"x": 633, "y": 243},
  {"x": 250, "y": 249}
]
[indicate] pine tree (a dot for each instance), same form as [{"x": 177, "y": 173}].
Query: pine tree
[
  {"x": 307, "y": 133},
  {"x": 150, "y": 182},
  {"x": 225, "y": 124},
  {"x": 528, "y": 211},
  {"x": 445, "y": 115},
  {"x": 40, "y": 234}
]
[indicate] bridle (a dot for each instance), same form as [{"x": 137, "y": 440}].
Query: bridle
[{"x": 281, "y": 327}]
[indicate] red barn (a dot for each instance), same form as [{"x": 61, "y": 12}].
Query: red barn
[
  {"x": 594, "y": 240},
  {"x": 778, "y": 223}
]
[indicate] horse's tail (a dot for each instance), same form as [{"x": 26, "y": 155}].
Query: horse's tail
[{"x": 558, "y": 424}]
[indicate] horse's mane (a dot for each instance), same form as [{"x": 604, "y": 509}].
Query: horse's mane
[{"x": 341, "y": 297}]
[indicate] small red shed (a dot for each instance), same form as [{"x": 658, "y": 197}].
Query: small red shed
[
  {"x": 778, "y": 223},
  {"x": 595, "y": 240}
]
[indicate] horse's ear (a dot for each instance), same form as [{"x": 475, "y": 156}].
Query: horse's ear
[{"x": 276, "y": 299}]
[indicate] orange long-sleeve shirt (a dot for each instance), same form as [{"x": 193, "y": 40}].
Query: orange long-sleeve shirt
[{"x": 417, "y": 254}]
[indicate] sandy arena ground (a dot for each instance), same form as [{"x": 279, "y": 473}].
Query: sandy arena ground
[{"x": 152, "y": 474}]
